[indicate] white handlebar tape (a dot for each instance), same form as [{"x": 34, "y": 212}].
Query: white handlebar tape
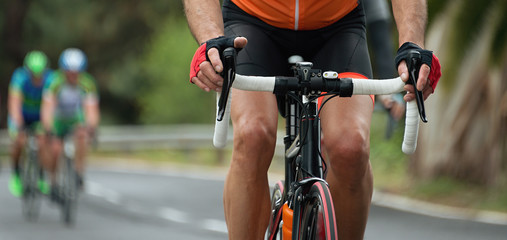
[
  {"x": 247, "y": 83},
  {"x": 253, "y": 83},
  {"x": 222, "y": 127},
  {"x": 361, "y": 87},
  {"x": 377, "y": 87},
  {"x": 411, "y": 128}
]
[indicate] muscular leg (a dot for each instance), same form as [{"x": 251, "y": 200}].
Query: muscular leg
[
  {"x": 43, "y": 149},
  {"x": 55, "y": 153},
  {"x": 346, "y": 130},
  {"x": 80, "y": 139},
  {"x": 16, "y": 149},
  {"x": 47, "y": 154},
  {"x": 246, "y": 193}
]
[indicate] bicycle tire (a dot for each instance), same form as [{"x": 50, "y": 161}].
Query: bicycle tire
[
  {"x": 274, "y": 227},
  {"x": 318, "y": 217},
  {"x": 31, "y": 197},
  {"x": 68, "y": 194}
]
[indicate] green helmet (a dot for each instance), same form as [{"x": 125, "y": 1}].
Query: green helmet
[{"x": 36, "y": 62}]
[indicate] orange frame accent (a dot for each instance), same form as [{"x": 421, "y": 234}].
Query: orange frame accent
[{"x": 287, "y": 217}]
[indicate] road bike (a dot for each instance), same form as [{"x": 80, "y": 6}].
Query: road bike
[
  {"x": 32, "y": 177},
  {"x": 302, "y": 206},
  {"x": 67, "y": 194}
]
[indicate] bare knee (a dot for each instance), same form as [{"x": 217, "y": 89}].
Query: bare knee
[
  {"x": 81, "y": 135},
  {"x": 349, "y": 158},
  {"x": 254, "y": 145},
  {"x": 56, "y": 148},
  {"x": 20, "y": 140},
  {"x": 254, "y": 136}
]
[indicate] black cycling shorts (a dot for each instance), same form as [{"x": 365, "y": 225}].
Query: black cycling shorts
[{"x": 339, "y": 47}]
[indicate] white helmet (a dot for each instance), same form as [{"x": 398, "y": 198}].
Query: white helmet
[{"x": 73, "y": 59}]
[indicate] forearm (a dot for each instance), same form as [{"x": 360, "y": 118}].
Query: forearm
[
  {"x": 47, "y": 111},
  {"x": 14, "y": 108},
  {"x": 92, "y": 115},
  {"x": 411, "y": 17},
  {"x": 204, "y": 19}
]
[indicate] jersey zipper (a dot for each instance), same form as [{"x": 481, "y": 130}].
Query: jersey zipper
[{"x": 296, "y": 16}]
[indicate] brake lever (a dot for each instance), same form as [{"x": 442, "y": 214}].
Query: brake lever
[
  {"x": 228, "y": 74},
  {"x": 414, "y": 63}
]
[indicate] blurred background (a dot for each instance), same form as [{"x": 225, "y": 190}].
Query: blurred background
[{"x": 139, "y": 52}]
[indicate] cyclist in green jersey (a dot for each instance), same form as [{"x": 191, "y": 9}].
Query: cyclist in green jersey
[
  {"x": 24, "y": 100},
  {"x": 70, "y": 105}
]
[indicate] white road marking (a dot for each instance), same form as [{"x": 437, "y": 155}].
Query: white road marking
[
  {"x": 380, "y": 199},
  {"x": 174, "y": 215},
  {"x": 214, "y": 225},
  {"x": 98, "y": 190},
  {"x": 167, "y": 213}
]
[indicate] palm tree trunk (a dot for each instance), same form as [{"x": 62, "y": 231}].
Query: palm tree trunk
[{"x": 467, "y": 133}]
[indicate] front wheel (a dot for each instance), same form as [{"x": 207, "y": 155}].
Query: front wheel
[
  {"x": 276, "y": 212},
  {"x": 68, "y": 192},
  {"x": 318, "y": 218},
  {"x": 31, "y": 194}
]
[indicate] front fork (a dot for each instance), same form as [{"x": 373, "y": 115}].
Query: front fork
[{"x": 292, "y": 209}]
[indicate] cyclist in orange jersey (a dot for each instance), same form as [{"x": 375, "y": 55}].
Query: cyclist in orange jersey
[{"x": 329, "y": 33}]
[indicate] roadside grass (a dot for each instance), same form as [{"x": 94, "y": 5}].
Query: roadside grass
[
  {"x": 454, "y": 193},
  {"x": 390, "y": 169},
  {"x": 389, "y": 164},
  {"x": 202, "y": 158}
]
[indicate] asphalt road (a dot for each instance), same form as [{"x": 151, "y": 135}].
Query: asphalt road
[{"x": 177, "y": 204}]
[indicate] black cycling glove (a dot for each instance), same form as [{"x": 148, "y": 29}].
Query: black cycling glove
[
  {"x": 201, "y": 55},
  {"x": 427, "y": 57},
  {"x": 220, "y": 43}
]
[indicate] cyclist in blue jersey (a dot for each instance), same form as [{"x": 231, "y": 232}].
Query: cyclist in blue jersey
[
  {"x": 24, "y": 101},
  {"x": 70, "y": 106}
]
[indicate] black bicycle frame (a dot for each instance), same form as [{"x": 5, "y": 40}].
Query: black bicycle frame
[
  {"x": 292, "y": 129},
  {"x": 302, "y": 120},
  {"x": 303, "y": 162}
]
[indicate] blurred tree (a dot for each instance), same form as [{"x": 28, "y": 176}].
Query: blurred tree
[
  {"x": 113, "y": 33},
  {"x": 168, "y": 95},
  {"x": 466, "y": 137},
  {"x": 11, "y": 22}
]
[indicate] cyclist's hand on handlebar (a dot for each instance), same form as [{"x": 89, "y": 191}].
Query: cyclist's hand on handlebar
[
  {"x": 422, "y": 83},
  {"x": 429, "y": 73},
  {"x": 206, "y": 64}
]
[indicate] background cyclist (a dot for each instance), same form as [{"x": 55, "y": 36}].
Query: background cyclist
[
  {"x": 378, "y": 26},
  {"x": 329, "y": 33},
  {"x": 70, "y": 105},
  {"x": 24, "y": 101}
]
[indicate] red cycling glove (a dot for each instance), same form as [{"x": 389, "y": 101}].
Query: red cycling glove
[
  {"x": 435, "y": 72},
  {"x": 427, "y": 57},
  {"x": 201, "y": 54},
  {"x": 199, "y": 57}
]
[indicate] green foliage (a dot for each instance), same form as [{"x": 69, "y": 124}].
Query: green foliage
[
  {"x": 436, "y": 7},
  {"x": 472, "y": 17},
  {"x": 456, "y": 193},
  {"x": 500, "y": 38},
  {"x": 469, "y": 22},
  {"x": 388, "y": 162},
  {"x": 113, "y": 33},
  {"x": 168, "y": 97}
]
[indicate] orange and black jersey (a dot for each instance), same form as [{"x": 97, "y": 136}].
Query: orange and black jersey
[{"x": 297, "y": 14}]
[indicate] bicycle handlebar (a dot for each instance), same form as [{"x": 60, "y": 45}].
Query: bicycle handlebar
[{"x": 344, "y": 87}]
